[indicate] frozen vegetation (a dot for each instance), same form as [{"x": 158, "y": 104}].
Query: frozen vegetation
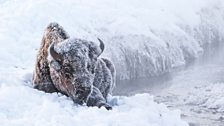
[{"x": 142, "y": 37}]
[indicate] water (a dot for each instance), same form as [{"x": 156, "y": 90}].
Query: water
[
  {"x": 187, "y": 89},
  {"x": 194, "y": 83}
]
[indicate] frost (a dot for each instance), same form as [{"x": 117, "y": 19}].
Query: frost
[{"x": 143, "y": 38}]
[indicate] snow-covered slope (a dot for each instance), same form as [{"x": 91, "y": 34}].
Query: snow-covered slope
[
  {"x": 29, "y": 107},
  {"x": 143, "y": 38}
]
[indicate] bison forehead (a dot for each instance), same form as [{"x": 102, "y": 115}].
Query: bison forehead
[
  {"x": 78, "y": 46},
  {"x": 72, "y": 46}
]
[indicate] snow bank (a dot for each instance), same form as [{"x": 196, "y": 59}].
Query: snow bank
[
  {"x": 24, "y": 106},
  {"x": 143, "y": 37}
]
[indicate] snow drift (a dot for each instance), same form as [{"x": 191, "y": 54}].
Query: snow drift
[{"x": 29, "y": 107}]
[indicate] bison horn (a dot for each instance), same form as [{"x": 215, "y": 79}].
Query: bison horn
[
  {"x": 54, "y": 54},
  {"x": 101, "y": 45}
]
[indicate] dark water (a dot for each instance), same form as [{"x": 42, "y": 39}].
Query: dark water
[
  {"x": 207, "y": 68},
  {"x": 142, "y": 85}
]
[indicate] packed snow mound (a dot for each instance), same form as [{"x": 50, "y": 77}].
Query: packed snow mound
[
  {"x": 22, "y": 105},
  {"x": 143, "y": 38}
]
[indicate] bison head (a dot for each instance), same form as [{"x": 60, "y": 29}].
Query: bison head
[{"x": 73, "y": 66}]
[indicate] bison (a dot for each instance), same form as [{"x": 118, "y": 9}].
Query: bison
[{"x": 73, "y": 67}]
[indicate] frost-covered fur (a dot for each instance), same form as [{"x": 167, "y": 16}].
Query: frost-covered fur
[
  {"x": 81, "y": 74},
  {"x": 77, "y": 71},
  {"x": 41, "y": 76}
]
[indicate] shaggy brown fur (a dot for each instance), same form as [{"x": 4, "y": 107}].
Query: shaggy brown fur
[
  {"x": 74, "y": 68},
  {"x": 41, "y": 77}
]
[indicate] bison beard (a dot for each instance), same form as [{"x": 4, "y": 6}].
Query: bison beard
[{"x": 73, "y": 67}]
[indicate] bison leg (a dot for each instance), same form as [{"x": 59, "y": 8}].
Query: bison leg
[
  {"x": 42, "y": 80},
  {"x": 96, "y": 99},
  {"x": 46, "y": 87},
  {"x": 112, "y": 70}
]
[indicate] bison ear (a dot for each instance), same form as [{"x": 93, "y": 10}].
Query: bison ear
[{"x": 56, "y": 56}]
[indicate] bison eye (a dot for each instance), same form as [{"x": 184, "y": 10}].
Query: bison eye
[
  {"x": 90, "y": 69},
  {"x": 67, "y": 68}
]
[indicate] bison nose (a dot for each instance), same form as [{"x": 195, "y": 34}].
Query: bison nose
[
  {"x": 82, "y": 93},
  {"x": 83, "y": 90}
]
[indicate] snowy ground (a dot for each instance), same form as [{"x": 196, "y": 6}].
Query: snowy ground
[
  {"x": 21, "y": 105},
  {"x": 143, "y": 38},
  {"x": 24, "y": 106}
]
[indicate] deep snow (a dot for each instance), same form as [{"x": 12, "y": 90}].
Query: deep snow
[
  {"x": 24, "y": 106},
  {"x": 142, "y": 37}
]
